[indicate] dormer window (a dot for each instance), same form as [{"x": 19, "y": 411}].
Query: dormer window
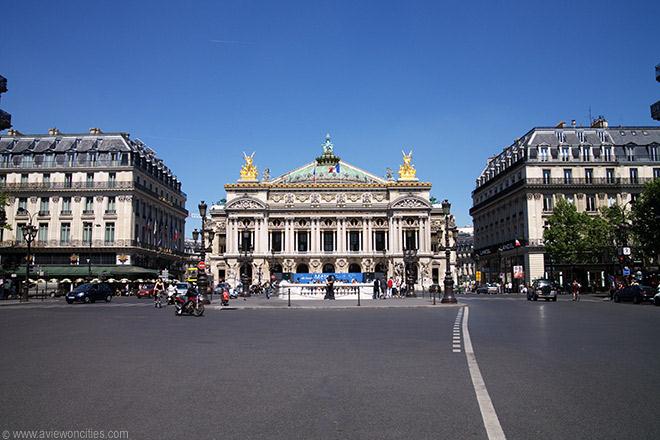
[
  {"x": 543, "y": 154},
  {"x": 586, "y": 154},
  {"x": 630, "y": 154},
  {"x": 561, "y": 137},
  {"x": 565, "y": 154}
]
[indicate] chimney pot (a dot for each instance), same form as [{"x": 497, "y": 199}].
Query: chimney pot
[
  {"x": 53, "y": 131},
  {"x": 13, "y": 132},
  {"x": 95, "y": 130}
]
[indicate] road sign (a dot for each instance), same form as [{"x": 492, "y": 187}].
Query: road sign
[
  {"x": 165, "y": 274},
  {"x": 201, "y": 265},
  {"x": 625, "y": 251},
  {"x": 626, "y": 271},
  {"x": 518, "y": 272}
]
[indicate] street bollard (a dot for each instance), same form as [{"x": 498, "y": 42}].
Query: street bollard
[
  {"x": 289, "y": 295},
  {"x": 357, "y": 288}
]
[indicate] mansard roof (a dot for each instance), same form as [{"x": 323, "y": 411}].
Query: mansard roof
[{"x": 94, "y": 141}]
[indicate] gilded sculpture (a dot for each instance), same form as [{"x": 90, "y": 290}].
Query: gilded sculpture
[
  {"x": 407, "y": 170},
  {"x": 248, "y": 170}
]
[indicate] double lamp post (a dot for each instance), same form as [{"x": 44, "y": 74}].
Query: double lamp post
[
  {"x": 202, "y": 278},
  {"x": 29, "y": 232}
]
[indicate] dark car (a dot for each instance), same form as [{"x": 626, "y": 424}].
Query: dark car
[
  {"x": 635, "y": 293},
  {"x": 542, "y": 288},
  {"x": 89, "y": 293}
]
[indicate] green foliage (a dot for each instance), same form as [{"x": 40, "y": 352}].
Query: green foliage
[
  {"x": 646, "y": 219},
  {"x": 565, "y": 237},
  {"x": 3, "y": 214},
  {"x": 577, "y": 237}
]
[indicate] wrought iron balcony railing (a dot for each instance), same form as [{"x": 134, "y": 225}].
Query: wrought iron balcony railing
[
  {"x": 38, "y": 186},
  {"x": 588, "y": 181}
]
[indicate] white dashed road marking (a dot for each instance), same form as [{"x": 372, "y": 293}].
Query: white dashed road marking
[
  {"x": 488, "y": 414},
  {"x": 456, "y": 335}
]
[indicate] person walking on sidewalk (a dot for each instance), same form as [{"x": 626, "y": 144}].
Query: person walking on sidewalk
[
  {"x": 376, "y": 288},
  {"x": 390, "y": 284}
]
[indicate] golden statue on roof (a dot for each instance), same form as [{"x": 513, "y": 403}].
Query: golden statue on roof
[
  {"x": 407, "y": 170},
  {"x": 248, "y": 170}
]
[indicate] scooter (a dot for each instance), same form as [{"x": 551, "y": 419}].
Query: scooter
[{"x": 225, "y": 298}]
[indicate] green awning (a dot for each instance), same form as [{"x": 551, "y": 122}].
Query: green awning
[{"x": 82, "y": 271}]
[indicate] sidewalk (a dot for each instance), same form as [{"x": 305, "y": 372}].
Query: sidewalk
[{"x": 278, "y": 303}]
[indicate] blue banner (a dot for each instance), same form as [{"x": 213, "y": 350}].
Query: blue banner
[{"x": 307, "y": 278}]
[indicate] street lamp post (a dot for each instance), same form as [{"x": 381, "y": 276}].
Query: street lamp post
[
  {"x": 409, "y": 258},
  {"x": 89, "y": 257},
  {"x": 203, "y": 234},
  {"x": 29, "y": 232},
  {"x": 448, "y": 295},
  {"x": 245, "y": 258}
]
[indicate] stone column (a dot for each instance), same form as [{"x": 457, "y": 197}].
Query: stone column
[{"x": 370, "y": 236}]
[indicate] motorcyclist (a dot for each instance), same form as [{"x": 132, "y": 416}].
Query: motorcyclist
[
  {"x": 171, "y": 292},
  {"x": 190, "y": 294}
]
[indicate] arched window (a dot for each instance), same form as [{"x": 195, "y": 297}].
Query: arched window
[
  {"x": 302, "y": 268},
  {"x": 354, "y": 268},
  {"x": 328, "y": 268}
]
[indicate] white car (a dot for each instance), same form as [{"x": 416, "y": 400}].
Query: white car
[
  {"x": 182, "y": 288},
  {"x": 656, "y": 298}
]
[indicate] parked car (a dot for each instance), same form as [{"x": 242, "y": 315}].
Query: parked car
[
  {"x": 656, "y": 298},
  {"x": 182, "y": 288},
  {"x": 89, "y": 293},
  {"x": 542, "y": 288},
  {"x": 635, "y": 293},
  {"x": 146, "y": 291},
  {"x": 488, "y": 288}
]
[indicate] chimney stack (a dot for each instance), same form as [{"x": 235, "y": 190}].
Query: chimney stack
[{"x": 599, "y": 122}]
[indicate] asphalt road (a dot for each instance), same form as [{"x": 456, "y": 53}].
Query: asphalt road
[{"x": 553, "y": 370}]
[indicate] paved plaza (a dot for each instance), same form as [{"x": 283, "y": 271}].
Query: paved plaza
[{"x": 551, "y": 370}]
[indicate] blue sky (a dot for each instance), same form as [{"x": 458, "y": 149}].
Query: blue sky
[{"x": 202, "y": 81}]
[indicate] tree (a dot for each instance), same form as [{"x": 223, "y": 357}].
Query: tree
[
  {"x": 645, "y": 217},
  {"x": 3, "y": 214},
  {"x": 565, "y": 237}
]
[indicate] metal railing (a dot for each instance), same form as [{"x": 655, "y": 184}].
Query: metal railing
[
  {"x": 71, "y": 244},
  {"x": 587, "y": 181},
  {"x": 65, "y": 163},
  {"x": 41, "y": 186}
]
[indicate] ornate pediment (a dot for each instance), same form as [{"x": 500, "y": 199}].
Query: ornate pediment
[
  {"x": 410, "y": 202},
  {"x": 245, "y": 203}
]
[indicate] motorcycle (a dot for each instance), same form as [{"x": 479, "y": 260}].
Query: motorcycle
[
  {"x": 225, "y": 297},
  {"x": 193, "y": 307}
]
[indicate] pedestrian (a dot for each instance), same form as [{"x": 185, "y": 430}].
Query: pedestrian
[
  {"x": 158, "y": 290},
  {"x": 390, "y": 284},
  {"x": 330, "y": 288},
  {"x": 376, "y": 288},
  {"x": 575, "y": 287}
]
